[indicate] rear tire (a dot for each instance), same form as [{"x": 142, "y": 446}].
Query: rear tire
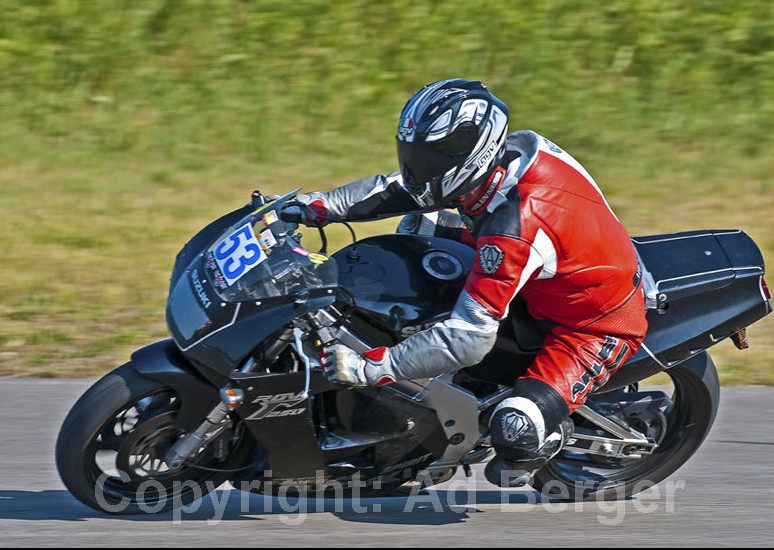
[
  {"x": 110, "y": 448},
  {"x": 689, "y": 419}
]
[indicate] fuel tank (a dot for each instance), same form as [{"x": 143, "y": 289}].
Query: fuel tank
[{"x": 402, "y": 284}]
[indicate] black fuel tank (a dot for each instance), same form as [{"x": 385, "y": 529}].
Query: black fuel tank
[{"x": 404, "y": 283}]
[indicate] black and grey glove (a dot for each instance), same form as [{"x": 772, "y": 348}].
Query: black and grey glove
[{"x": 314, "y": 214}]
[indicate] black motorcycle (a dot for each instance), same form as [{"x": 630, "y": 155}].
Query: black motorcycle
[{"x": 237, "y": 393}]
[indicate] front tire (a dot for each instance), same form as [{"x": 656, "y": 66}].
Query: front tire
[
  {"x": 111, "y": 446},
  {"x": 685, "y": 425}
]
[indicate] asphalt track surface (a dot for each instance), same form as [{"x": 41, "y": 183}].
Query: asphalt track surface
[{"x": 724, "y": 496}]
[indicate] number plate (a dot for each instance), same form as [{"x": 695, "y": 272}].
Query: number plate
[{"x": 238, "y": 253}]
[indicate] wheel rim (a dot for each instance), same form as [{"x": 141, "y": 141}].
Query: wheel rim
[{"x": 125, "y": 459}]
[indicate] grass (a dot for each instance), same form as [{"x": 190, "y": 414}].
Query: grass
[
  {"x": 86, "y": 281},
  {"x": 127, "y": 129}
]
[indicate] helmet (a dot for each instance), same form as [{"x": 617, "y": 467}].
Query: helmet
[{"x": 451, "y": 135}]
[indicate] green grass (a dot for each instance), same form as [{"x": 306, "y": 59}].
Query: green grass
[{"x": 125, "y": 129}]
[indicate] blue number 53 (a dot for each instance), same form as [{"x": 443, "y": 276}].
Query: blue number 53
[{"x": 238, "y": 253}]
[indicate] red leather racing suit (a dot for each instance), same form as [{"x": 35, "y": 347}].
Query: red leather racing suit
[{"x": 542, "y": 229}]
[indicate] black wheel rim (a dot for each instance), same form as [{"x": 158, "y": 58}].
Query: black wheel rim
[{"x": 124, "y": 460}]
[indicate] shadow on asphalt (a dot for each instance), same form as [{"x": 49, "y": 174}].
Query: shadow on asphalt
[{"x": 436, "y": 507}]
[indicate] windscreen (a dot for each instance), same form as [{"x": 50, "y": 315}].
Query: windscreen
[{"x": 261, "y": 256}]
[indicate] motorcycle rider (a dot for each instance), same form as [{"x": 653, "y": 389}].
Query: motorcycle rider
[{"x": 541, "y": 228}]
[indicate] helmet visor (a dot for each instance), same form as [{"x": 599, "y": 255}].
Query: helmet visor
[{"x": 421, "y": 161}]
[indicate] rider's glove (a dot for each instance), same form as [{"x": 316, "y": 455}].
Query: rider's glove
[
  {"x": 343, "y": 365},
  {"x": 314, "y": 214}
]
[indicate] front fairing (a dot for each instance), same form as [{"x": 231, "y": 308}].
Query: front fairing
[{"x": 248, "y": 279}]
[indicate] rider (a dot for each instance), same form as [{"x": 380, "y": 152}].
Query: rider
[{"x": 541, "y": 228}]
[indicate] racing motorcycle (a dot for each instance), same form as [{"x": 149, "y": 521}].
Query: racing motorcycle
[{"x": 237, "y": 393}]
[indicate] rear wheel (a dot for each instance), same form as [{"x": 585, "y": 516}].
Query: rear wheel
[
  {"x": 678, "y": 421},
  {"x": 111, "y": 447}
]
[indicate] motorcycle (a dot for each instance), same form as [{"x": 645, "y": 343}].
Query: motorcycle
[{"x": 237, "y": 393}]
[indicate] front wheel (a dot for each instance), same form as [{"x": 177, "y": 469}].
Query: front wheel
[
  {"x": 679, "y": 421},
  {"x": 111, "y": 447}
]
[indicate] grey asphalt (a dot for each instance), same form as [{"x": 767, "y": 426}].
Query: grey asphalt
[{"x": 724, "y": 496}]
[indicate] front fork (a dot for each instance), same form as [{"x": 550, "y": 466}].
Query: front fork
[{"x": 215, "y": 424}]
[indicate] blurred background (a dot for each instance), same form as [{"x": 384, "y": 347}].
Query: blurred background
[{"x": 127, "y": 125}]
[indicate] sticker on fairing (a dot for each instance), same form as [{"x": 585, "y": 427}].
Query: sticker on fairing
[
  {"x": 238, "y": 253},
  {"x": 267, "y": 239},
  {"x": 269, "y": 218},
  {"x": 217, "y": 276},
  {"x": 317, "y": 258},
  {"x": 299, "y": 250}
]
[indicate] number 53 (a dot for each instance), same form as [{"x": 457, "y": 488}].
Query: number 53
[{"x": 238, "y": 253}]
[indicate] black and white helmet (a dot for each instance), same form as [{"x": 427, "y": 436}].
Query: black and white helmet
[{"x": 451, "y": 135}]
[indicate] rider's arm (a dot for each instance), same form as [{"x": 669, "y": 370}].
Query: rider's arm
[
  {"x": 367, "y": 199},
  {"x": 460, "y": 341},
  {"x": 502, "y": 265},
  {"x": 444, "y": 224},
  {"x": 500, "y": 269}
]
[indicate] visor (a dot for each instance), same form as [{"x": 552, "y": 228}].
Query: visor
[{"x": 423, "y": 161}]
